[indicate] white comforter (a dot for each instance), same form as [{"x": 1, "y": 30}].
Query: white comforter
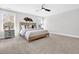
[{"x": 32, "y": 33}]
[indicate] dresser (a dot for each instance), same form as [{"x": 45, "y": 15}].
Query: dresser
[{"x": 9, "y": 34}]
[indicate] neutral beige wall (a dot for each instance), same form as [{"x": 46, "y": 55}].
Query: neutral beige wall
[{"x": 65, "y": 23}]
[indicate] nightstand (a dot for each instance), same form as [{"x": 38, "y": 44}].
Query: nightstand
[{"x": 9, "y": 34}]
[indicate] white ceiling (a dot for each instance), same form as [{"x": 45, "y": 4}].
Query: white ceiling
[{"x": 32, "y": 8}]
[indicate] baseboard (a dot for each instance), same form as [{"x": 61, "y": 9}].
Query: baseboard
[{"x": 75, "y": 36}]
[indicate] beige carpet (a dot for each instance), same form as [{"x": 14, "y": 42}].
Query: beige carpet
[{"x": 55, "y": 44}]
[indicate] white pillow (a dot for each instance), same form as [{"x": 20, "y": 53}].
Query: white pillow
[{"x": 22, "y": 32}]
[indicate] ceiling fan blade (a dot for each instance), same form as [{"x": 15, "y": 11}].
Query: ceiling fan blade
[{"x": 48, "y": 10}]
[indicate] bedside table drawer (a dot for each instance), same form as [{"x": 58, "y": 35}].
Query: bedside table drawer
[{"x": 9, "y": 33}]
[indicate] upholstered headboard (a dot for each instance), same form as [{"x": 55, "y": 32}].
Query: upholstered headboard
[{"x": 29, "y": 25}]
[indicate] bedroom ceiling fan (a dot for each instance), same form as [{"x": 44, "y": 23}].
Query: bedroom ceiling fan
[{"x": 44, "y": 8}]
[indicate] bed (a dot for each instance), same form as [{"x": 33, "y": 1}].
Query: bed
[{"x": 32, "y": 34}]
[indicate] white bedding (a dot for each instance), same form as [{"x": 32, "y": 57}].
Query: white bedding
[
  {"x": 31, "y": 33},
  {"x": 23, "y": 31}
]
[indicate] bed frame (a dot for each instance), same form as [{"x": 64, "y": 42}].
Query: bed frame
[
  {"x": 38, "y": 37},
  {"x": 34, "y": 37}
]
